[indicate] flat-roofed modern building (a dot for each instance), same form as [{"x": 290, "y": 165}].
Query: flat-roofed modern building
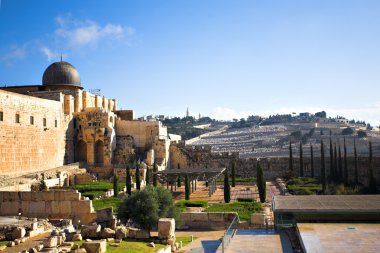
[{"x": 289, "y": 210}]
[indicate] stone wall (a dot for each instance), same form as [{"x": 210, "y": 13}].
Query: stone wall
[
  {"x": 217, "y": 220},
  {"x": 49, "y": 204},
  {"x": 30, "y": 146}
]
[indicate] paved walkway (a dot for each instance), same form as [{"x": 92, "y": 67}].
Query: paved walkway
[
  {"x": 207, "y": 242},
  {"x": 258, "y": 241}
]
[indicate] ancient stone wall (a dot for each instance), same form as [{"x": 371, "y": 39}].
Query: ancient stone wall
[
  {"x": 217, "y": 220},
  {"x": 33, "y": 134},
  {"x": 49, "y": 204}
]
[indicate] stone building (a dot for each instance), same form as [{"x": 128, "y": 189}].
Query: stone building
[{"x": 57, "y": 123}]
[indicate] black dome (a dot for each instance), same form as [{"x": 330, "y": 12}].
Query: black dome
[{"x": 61, "y": 73}]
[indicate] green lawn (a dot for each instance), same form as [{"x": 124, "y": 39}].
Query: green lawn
[
  {"x": 185, "y": 240},
  {"x": 103, "y": 203},
  {"x": 4, "y": 242},
  {"x": 244, "y": 209},
  {"x": 100, "y": 185},
  {"x": 131, "y": 247}
]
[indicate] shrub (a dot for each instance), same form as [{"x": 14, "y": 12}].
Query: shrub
[
  {"x": 182, "y": 204},
  {"x": 348, "y": 131},
  {"x": 246, "y": 200}
]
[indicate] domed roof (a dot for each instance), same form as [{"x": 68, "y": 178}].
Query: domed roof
[{"x": 61, "y": 73}]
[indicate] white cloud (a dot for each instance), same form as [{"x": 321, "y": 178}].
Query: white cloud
[
  {"x": 80, "y": 33},
  {"x": 16, "y": 52},
  {"x": 49, "y": 54}
]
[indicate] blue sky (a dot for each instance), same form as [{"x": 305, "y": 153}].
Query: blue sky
[{"x": 225, "y": 59}]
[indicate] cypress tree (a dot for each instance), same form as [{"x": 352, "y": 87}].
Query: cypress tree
[
  {"x": 332, "y": 176},
  {"x": 301, "y": 160},
  {"x": 233, "y": 174},
  {"x": 147, "y": 176},
  {"x": 340, "y": 165},
  {"x": 187, "y": 188},
  {"x": 372, "y": 181},
  {"x": 178, "y": 166},
  {"x": 345, "y": 162},
  {"x": 128, "y": 180},
  {"x": 138, "y": 183},
  {"x": 261, "y": 184},
  {"x": 356, "y": 165},
  {"x": 290, "y": 157},
  {"x": 227, "y": 189},
  {"x": 115, "y": 186},
  {"x": 312, "y": 160},
  {"x": 155, "y": 169},
  {"x": 179, "y": 181},
  {"x": 336, "y": 176},
  {"x": 323, "y": 168}
]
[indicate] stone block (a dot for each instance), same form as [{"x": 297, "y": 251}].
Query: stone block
[
  {"x": 132, "y": 233},
  {"x": 34, "y": 226},
  {"x": 258, "y": 218},
  {"x": 51, "y": 242},
  {"x": 2, "y": 247},
  {"x": 77, "y": 237},
  {"x": 25, "y": 207},
  {"x": 10, "y": 208},
  {"x": 50, "y": 250},
  {"x": 18, "y": 233},
  {"x": 65, "y": 207},
  {"x": 92, "y": 231},
  {"x": 39, "y": 247},
  {"x": 107, "y": 233},
  {"x": 121, "y": 233},
  {"x": 95, "y": 246},
  {"x": 105, "y": 214},
  {"x": 26, "y": 196},
  {"x": 166, "y": 228},
  {"x": 203, "y": 217},
  {"x": 87, "y": 218},
  {"x": 33, "y": 233},
  {"x": 71, "y": 196},
  {"x": 186, "y": 217},
  {"x": 37, "y": 207},
  {"x": 11, "y": 244},
  {"x": 80, "y": 250},
  {"x": 60, "y": 240},
  {"x": 17, "y": 241},
  {"x": 229, "y": 216},
  {"x": 216, "y": 217},
  {"x": 55, "y": 207},
  {"x": 33, "y": 250},
  {"x": 142, "y": 234}
]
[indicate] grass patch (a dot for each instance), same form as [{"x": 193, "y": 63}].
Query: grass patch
[
  {"x": 182, "y": 204},
  {"x": 97, "y": 186},
  {"x": 3, "y": 243},
  {"x": 244, "y": 209},
  {"x": 304, "y": 186},
  {"x": 93, "y": 194},
  {"x": 185, "y": 240},
  {"x": 108, "y": 202},
  {"x": 246, "y": 199},
  {"x": 131, "y": 247}
]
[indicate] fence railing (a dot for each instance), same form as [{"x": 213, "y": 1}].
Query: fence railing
[{"x": 229, "y": 234}]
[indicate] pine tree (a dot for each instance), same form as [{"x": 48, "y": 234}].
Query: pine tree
[
  {"x": 332, "y": 176},
  {"x": 340, "y": 164},
  {"x": 261, "y": 184},
  {"x": 372, "y": 181},
  {"x": 233, "y": 174},
  {"x": 187, "y": 188},
  {"x": 115, "y": 186},
  {"x": 345, "y": 162},
  {"x": 128, "y": 181},
  {"x": 137, "y": 180},
  {"x": 290, "y": 157},
  {"x": 155, "y": 169},
  {"x": 356, "y": 165},
  {"x": 301, "y": 160},
  {"x": 312, "y": 160},
  {"x": 323, "y": 168},
  {"x": 227, "y": 189}
]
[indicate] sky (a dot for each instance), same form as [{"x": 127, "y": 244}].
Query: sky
[{"x": 223, "y": 59}]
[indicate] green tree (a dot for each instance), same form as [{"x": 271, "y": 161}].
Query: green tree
[
  {"x": 348, "y": 131},
  {"x": 345, "y": 162},
  {"x": 362, "y": 134},
  {"x": 372, "y": 181},
  {"x": 261, "y": 184},
  {"x": 227, "y": 189},
  {"x": 336, "y": 176},
  {"x": 301, "y": 160},
  {"x": 187, "y": 188},
  {"x": 233, "y": 174},
  {"x": 312, "y": 160},
  {"x": 128, "y": 181},
  {"x": 340, "y": 164},
  {"x": 145, "y": 207},
  {"x": 290, "y": 158},
  {"x": 323, "y": 168},
  {"x": 147, "y": 176},
  {"x": 137, "y": 180},
  {"x": 332, "y": 176},
  {"x": 179, "y": 181},
  {"x": 356, "y": 165},
  {"x": 115, "y": 186},
  {"x": 155, "y": 169}
]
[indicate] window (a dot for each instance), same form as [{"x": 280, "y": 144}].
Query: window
[
  {"x": 17, "y": 119},
  {"x": 56, "y": 123},
  {"x": 1, "y": 116},
  {"x": 44, "y": 122},
  {"x": 31, "y": 120}
]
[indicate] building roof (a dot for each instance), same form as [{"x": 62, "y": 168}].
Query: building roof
[
  {"x": 327, "y": 203},
  {"x": 61, "y": 73}
]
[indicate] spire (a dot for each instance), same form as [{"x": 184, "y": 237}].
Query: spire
[
  {"x": 61, "y": 56},
  {"x": 187, "y": 112}
]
